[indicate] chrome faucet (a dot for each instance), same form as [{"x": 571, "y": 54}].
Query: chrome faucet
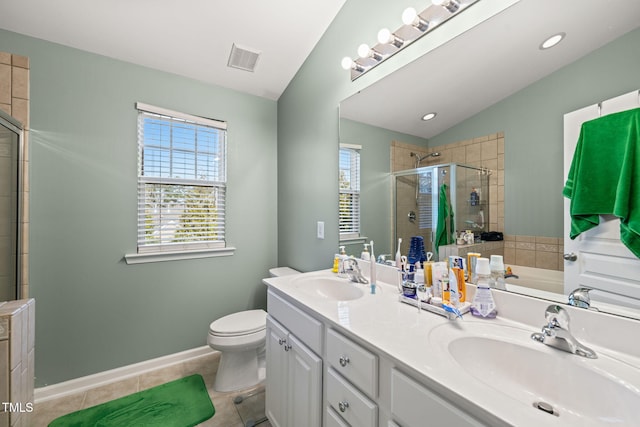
[
  {"x": 352, "y": 269},
  {"x": 556, "y": 333},
  {"x": 580, "y": 298}
]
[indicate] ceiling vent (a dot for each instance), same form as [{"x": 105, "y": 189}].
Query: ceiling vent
[{"x": 243, "y": 58}]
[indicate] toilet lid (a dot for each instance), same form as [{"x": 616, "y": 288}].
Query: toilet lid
[{"x": 241, "y": 323}]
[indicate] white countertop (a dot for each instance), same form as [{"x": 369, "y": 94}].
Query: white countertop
[{"x": 402, "y": 332}]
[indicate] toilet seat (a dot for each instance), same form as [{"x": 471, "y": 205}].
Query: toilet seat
[{"x": 239, "y": 324}]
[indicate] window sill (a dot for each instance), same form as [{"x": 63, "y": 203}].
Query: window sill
[
  {"x": 353, "y": 240},
  {"x": 177, "y": 255}
]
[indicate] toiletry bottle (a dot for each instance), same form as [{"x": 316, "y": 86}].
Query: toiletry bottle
[
  {"x": 483, "y": 304},
  {"x": 497, "y": 272},
  {"x": 418, "y": 277},
  {"x": 365, "y": 255},
  {"x": 462, "y": 284},
  {"x": 336, "y": 263},
  {"x": 472, "y": 258}
]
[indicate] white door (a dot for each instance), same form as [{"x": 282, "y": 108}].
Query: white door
[
  {"x": 277, "y": 367},
  {"x": 597, "y": 259},
  {"x": 305, "y": 385}
]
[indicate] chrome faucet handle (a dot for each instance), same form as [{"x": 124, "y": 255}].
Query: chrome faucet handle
[
  {"x": 352, "y": 269},
  {"x": 580, "y": 298},
  {"x": 557, "y": 317}
]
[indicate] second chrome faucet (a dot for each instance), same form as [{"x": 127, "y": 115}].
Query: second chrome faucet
[{"x": 556, "y": 333}]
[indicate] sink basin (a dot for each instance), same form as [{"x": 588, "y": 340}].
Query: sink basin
[
  {"x": 577, "y": 390},
  {"x": 329, "y": 288}
]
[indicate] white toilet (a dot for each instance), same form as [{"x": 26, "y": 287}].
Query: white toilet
[{"x": 241, "y": 338}]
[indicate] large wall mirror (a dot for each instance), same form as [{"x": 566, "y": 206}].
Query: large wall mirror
[{"x": 495, "y": 81}]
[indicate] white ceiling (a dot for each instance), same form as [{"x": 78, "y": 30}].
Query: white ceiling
[
  {"x": 489, "y": 63},
  {"x": 191, "y": 38}
]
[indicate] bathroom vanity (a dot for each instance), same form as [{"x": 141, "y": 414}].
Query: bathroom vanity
[{"x": 338, "y": 355}]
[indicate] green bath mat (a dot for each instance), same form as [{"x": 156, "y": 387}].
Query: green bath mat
[{"x": 181, "y": 403}]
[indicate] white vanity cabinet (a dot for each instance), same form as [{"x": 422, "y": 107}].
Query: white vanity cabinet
[
  {"x": 414, "y": 405},
  {"x": 352, "y": 380},
  {"x": 321, "y": 375},
  {"x": 294, "y": 371}
]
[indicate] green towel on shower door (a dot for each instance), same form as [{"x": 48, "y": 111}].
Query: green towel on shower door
[
  {"x": 445, "y": 226},
  {"x": 604, "y": 177}
]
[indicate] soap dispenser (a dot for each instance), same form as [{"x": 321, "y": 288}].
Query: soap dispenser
[
  {"x": 365, "y": 255},
  {"x": 342, "y": 257}
]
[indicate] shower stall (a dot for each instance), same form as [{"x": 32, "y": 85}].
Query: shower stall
[
  {"x": 11, "y": 155},
  {"x": 417, "y": 195}
]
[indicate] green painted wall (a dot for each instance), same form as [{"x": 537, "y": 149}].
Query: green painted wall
[
  {"x": 533, "y": 127},
  {"x": 376, "y": 187},
  {"x": 94, "y": 312}
]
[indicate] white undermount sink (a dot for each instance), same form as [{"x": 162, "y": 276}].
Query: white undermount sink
[
  {"x": 579, "y": 391},
  {"x": 329, "y": 288}
]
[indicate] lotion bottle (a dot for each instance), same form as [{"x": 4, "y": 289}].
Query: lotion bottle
[{"x": 483, "y": 304}]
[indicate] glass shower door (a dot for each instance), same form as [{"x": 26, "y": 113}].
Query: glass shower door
[{"x": 10, "y": 157}]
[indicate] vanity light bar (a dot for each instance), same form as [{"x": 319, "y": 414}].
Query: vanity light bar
[{"x": 415, "y": 26}]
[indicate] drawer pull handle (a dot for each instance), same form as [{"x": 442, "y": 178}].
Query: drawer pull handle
[
  {"x": 287, "y": 347},
  {"x": 282, "y": 341},
  {"x": 343, "y": 406},
  {"x": 344, "y": 360}
]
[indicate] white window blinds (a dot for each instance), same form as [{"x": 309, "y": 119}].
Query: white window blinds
[
  {"x": 181, "y": 181},
  {"x": 349, "y": 182}
]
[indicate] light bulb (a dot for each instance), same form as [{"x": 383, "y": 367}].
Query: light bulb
[
  {"x": 409, "y": 16},
  {"x": 451, "y": 5},
  {"x": 364, "y": 50},
  {"x": 384, "y": 36},
  {"x": 347, "y": 63}
]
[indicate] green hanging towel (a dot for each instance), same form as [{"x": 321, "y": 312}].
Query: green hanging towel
[
  {"x": 604, "y": 177},
  {"x": 445, "y": 227}
]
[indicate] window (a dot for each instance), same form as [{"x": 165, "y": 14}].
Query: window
[
  {"x": 181, "y": 181},
  {"x": 349, "y": 208}
]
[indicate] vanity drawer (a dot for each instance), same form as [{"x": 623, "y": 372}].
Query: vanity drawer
[
  {"x": 354, "y": 407},
  {"x": 353, "y": 362},
  {"x": 333, "y": 419},
  {"x": 299, "y": 323},
  {"x": 413, "y": 405}
]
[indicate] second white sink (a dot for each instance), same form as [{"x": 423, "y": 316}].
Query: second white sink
[{"x": 577, "y": 390}]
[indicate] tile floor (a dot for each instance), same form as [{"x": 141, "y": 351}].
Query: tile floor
[{"x": 226, "y": 412}]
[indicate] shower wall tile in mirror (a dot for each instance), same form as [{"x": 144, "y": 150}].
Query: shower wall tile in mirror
[
  {"x": 14, "y": 100},
  {"x": 487, "y": 152}
]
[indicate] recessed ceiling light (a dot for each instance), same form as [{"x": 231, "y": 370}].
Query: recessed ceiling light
[
  {"x": 552, "y": 41},
  {"x": 428, "y": 116}
]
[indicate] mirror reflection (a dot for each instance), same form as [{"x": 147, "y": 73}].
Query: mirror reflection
[{"x": 500, "y": 102}]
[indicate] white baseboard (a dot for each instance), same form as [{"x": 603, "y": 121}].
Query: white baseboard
[{"x": 82, "y": 384}]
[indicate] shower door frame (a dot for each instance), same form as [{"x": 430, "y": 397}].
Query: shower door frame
[{"x": 16, "y": 127}]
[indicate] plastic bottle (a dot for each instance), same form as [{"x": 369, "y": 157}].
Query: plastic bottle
[
  {"x": 497, "y": 272},
  {"x": 419, "y": 276},
  {"x": 399, "y": 255},
  {"x": 483, "y": 304}
]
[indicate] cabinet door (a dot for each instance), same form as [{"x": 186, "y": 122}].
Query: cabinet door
[
  {"x": 305, "y": 385},
  {"x": 276, "y": 380}
]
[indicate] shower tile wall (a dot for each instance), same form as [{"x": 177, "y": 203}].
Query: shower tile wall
[
  {"x": 17, "y": 344},
  {"x": 488, "y": 152},
  {"x": 14, "y": 100}
]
